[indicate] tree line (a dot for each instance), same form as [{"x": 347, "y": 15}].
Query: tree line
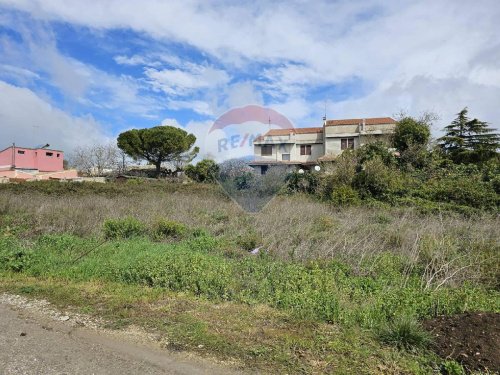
[{"x": 466, "y": 141}]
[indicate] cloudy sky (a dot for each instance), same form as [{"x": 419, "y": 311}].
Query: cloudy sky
[{"x": 75, "y": 72}]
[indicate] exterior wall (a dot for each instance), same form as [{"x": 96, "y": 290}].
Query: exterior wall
[
  {"x": 260, "y": 168},
  {"x": 369, "y": 138},
  {"x": 334, "y": 134},
  {"x": 6, "y": 159},
  {"x": 386, "y": 128},
  {"x": 290, "y": 145},
  {"x": 27, "y": 158},
  {"x": 331, "y": 145},
  {"x": 339, "y": 130}
]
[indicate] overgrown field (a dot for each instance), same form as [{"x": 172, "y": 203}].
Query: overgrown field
[{"x": 332, "y": 290}]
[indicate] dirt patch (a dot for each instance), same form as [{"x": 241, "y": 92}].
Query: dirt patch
[{"x": 472, "y": 339}]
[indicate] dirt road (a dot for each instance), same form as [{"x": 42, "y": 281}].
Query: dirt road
[{"x": 33, "y": 343}]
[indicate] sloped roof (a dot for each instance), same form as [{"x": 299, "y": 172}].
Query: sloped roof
[
  {"x": 357, "y": 121},
  {"x": 31, "y": 148},
  {"x": 278, "y": 132},
  {"x": 294, "y": 131}
]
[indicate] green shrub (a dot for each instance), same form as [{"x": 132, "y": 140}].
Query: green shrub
[
  {"x": 375, "y": 150},
  {"x": 462, "y": 191},
  {"x": 248, "y": 241},
  {"x": 14, "y": 257},
  {"x": 410, "y": 132},
  {"x": 123, "y": 228},
  {"x": 452, "y": 368},
  {"x": 244, "y": 181},
  {"x": 306, "y": 182},
  {"x": 495, "y": 182},
  {"x": 163, "y": 229},
  {"x": 204, "y": 171},
  {"x": 404, "y": 333},
  {"x": 343, "y": 195},
  {"x": 377, "y": 180},
  {"x": 343, "y": 168}
]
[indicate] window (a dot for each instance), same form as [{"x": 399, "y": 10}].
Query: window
[
  {"x": 58, "y": 155},
  {"x": 305, "y": 149},
  {"x": 20, "y": 152},
  {"x": 346, "y": 143},
  {"x": 263, "y": 169},
  {"x": 285, "y": 157},
  {"x": 50, "y": 154},
  {"x": 266, "y": 150}
]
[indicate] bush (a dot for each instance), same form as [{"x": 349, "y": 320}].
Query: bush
[
  {"x": 205, "y": 171},
  {"x": 306, "y": 182},
  {"x": 462, "y": 191},
  {"x": 244, "y": 181},
  {"x": 163, "y": 229},
  {"x": 344, "y": 195},
  {"x": 405, "y": 333},
  {"x": 452, "y": 368},
  {"x": 410, "y": 132},
  {"x": 123, "y": 228},
  {"x": 248, "y": 241},
  {"x": 495, "y": 182},
  {"x": 13, "y": 257},
  {"x": 375, "y": 150},
  {"x": 415, "y": 156},
  {"x": 377, "y": 180}
]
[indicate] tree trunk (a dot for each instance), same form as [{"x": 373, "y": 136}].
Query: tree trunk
[{"x": 158, "y": 169}]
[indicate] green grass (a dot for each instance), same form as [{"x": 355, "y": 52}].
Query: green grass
[
  {"x": 405, "y": 333},
  {"x": 323, "y": 291},
  {"x": 158, "y": 256},
  {"x": 249, "y": 336},
  {"x": 278, "y": 316}
]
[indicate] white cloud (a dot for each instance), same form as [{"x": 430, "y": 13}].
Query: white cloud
[
  {"x": 151, "y": 59},
  {"x": 132, "y": 60},
  {"x": 198, "y": 106},
  {"x": 240, "y": 94},
  {"x": 14, "y": 70},
  {"x": 445, "y": 97},
  {"x": 28, "y": 120},
  {"x": 38, "y": 57},
  {"x": 179, "y": 82},
  {"x": 171, "y": 122},
  {"x": 417, "y": 55}
]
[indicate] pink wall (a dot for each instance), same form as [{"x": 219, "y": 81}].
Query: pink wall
[
  {"x": 44, "y": 160},
  {"x": 6, "y": 159}
]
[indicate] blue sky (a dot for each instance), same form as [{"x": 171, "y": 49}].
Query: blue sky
[{"x": 74, "y": 73}]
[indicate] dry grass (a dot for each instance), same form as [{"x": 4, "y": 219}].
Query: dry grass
[{"x": 449, "y": 247}]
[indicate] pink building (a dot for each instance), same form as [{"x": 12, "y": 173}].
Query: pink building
[{"x": 33, "y": 164}]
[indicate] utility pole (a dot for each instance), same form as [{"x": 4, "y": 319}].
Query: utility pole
[{"x": 13, "y": 155}]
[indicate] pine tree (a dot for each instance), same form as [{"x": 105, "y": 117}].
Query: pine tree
[{"x": 469, "y": 140}]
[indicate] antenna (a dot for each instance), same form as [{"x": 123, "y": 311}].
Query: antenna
[{"x": 324, "y": 116}]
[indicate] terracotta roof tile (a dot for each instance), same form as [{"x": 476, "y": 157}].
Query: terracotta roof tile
[
  {"x": 357, "y": 121},
  {"x": 293, "y": 131},
  {"x": 308, "y": 130}
]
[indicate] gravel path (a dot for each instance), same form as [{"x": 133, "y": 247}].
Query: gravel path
[{"x": 35, "y": 339}]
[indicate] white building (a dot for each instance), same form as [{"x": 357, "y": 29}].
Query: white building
[{"x": 304, "y": 147}]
